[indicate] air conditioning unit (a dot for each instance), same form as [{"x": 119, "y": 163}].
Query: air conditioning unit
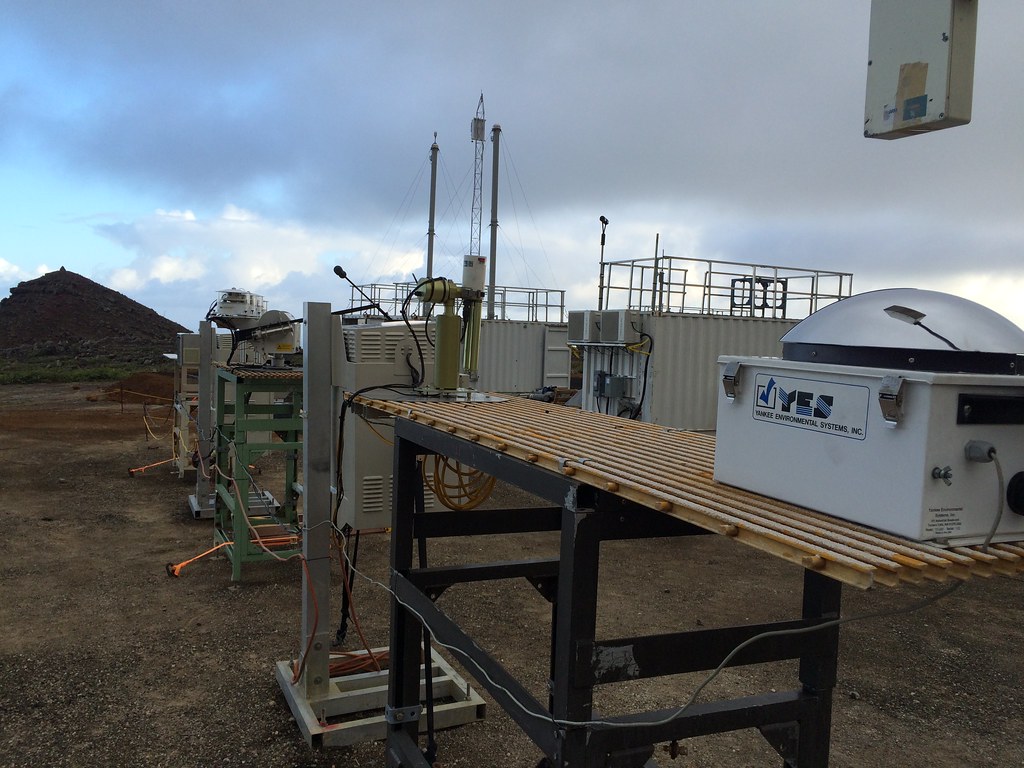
[
  {"x": 584, "y": 326},
  {"x": 620, "y": 326}
]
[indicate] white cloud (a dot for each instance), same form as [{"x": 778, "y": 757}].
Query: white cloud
[
  {"x": 168, "y": 269},
  {"x": 234, "y": 213},
  {"x": 182, "y": 258},
  {"x": 163, "y": 269},
  {"x": 179, "y": 245},
  {"x": 13, "y": 273},
  {"x": 125, "y": 280},
  {"x": 9, "y": 272},
  {"x": 183, "y": 215},
  {"x": 999, "y": 292},
  {"x": 704, "y": 124}
]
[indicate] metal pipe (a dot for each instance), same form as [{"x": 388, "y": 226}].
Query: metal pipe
[
  {"x": 433, "y": 199},
  {"x": 654, "y": 276},
  {"x": 600, "y": 279},
  {"x": 496, "y": 138}
]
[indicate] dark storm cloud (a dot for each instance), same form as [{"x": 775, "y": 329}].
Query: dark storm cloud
[
  {"x": 741, "y": 121},
  {"x": 606, "y": 99}
]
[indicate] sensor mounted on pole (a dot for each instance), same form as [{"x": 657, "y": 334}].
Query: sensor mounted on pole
[{"x": 920, "y": 66}]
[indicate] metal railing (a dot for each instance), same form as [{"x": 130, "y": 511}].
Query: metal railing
[
  {"x": 670, "y": 284},
  {"x": 510, "y": 302}
]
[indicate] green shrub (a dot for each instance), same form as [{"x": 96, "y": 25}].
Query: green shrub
[{"x": 51, "y": 372}]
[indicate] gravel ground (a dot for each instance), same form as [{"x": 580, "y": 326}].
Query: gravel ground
[{"x": 104, "y": 660}]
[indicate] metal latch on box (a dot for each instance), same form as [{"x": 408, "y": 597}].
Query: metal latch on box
[
  {"x": 890, "y": 399},
  {"x": 731, "y": 378}
]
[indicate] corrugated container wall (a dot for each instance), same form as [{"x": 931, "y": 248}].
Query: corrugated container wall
[
  {"x": 520, "y": 356},
  {"x": 670, "y": 378},
  {"x": 683, "y": 386}
]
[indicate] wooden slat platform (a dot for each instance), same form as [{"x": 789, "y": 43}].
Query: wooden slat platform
[
  {"x": 672, "y": 471},
  {"x": 254, "y": 373}
]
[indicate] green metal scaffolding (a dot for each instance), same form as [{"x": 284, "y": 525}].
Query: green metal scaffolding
[{"x": 252, "y": 406}]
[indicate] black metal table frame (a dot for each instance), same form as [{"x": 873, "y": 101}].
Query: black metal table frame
[{"x": 796, "y": 723}]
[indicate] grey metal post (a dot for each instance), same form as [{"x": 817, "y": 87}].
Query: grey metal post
[
  {"x": 201, "y": 504},
  {"x": 496, "y": 138},
  {"x": 433, "y": 200},
  {"x": 317, "y": 431},
  {"x": 654, "y": 278},
  {"x": 600, "y": 279}
]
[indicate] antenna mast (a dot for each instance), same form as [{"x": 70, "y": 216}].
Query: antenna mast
[
  {"x": 477, "y": 136},
  {"x": 433, "y": 201}
]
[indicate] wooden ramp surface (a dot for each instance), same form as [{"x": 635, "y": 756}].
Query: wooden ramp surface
[{"x": 672, "y": 471}]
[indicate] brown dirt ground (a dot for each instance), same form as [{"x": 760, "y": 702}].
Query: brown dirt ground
[{"x": 104, "y": 660}]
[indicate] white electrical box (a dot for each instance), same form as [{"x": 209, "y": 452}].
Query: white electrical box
[
  {"x": 920, "y": 66},
  {"x": 368, "y": 472},
  {"x": 388, "y": 353},
  {"x": 364, "y": 357},
  {"x": 818, "y": 436},
  {"x": 880, "y": 444}
]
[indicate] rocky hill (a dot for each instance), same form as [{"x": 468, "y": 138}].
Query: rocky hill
[{"x": 66, "y": 319}]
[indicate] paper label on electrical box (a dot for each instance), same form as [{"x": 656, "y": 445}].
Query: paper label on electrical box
[
  {"x": 820, "y": 406},
  {"x": 944, "y": 521}
]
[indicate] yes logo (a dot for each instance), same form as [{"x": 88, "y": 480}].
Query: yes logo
[{"x": 800, "y": 402}]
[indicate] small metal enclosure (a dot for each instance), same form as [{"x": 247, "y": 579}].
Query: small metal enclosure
[
  {"x": 516, "y": 357},
  {"x": 867, "y": 417},
  {"x": 363, "y": 357},
  {"x": 920, "y": 66}
]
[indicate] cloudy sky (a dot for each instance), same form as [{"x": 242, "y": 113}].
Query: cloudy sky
[{"x": 172, "y": 149}]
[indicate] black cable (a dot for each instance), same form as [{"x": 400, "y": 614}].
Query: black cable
[
  {"x": 346, "y": 403},
  {"x": 417, "y": 378},
  {"x": 234, "y": 346},
  {"x": 939, "y": 336},
  {"x": 347, "y": 573},
  {"x": 647, "y": 365},
  {"x": 426, "y": 323},
  {"x": 405, "y": 317}
]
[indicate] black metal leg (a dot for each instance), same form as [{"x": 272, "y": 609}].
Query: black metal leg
[
  {"x": 822, "y": 598},
  {"x": 575, "y": 626},
  {"x": 797, "y": 723},
  {"x": 404, "y": 672}
]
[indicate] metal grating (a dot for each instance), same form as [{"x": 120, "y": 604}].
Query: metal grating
[
  {"x": 256, "y": 373},
  {"x": 672, "y": 471}
]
